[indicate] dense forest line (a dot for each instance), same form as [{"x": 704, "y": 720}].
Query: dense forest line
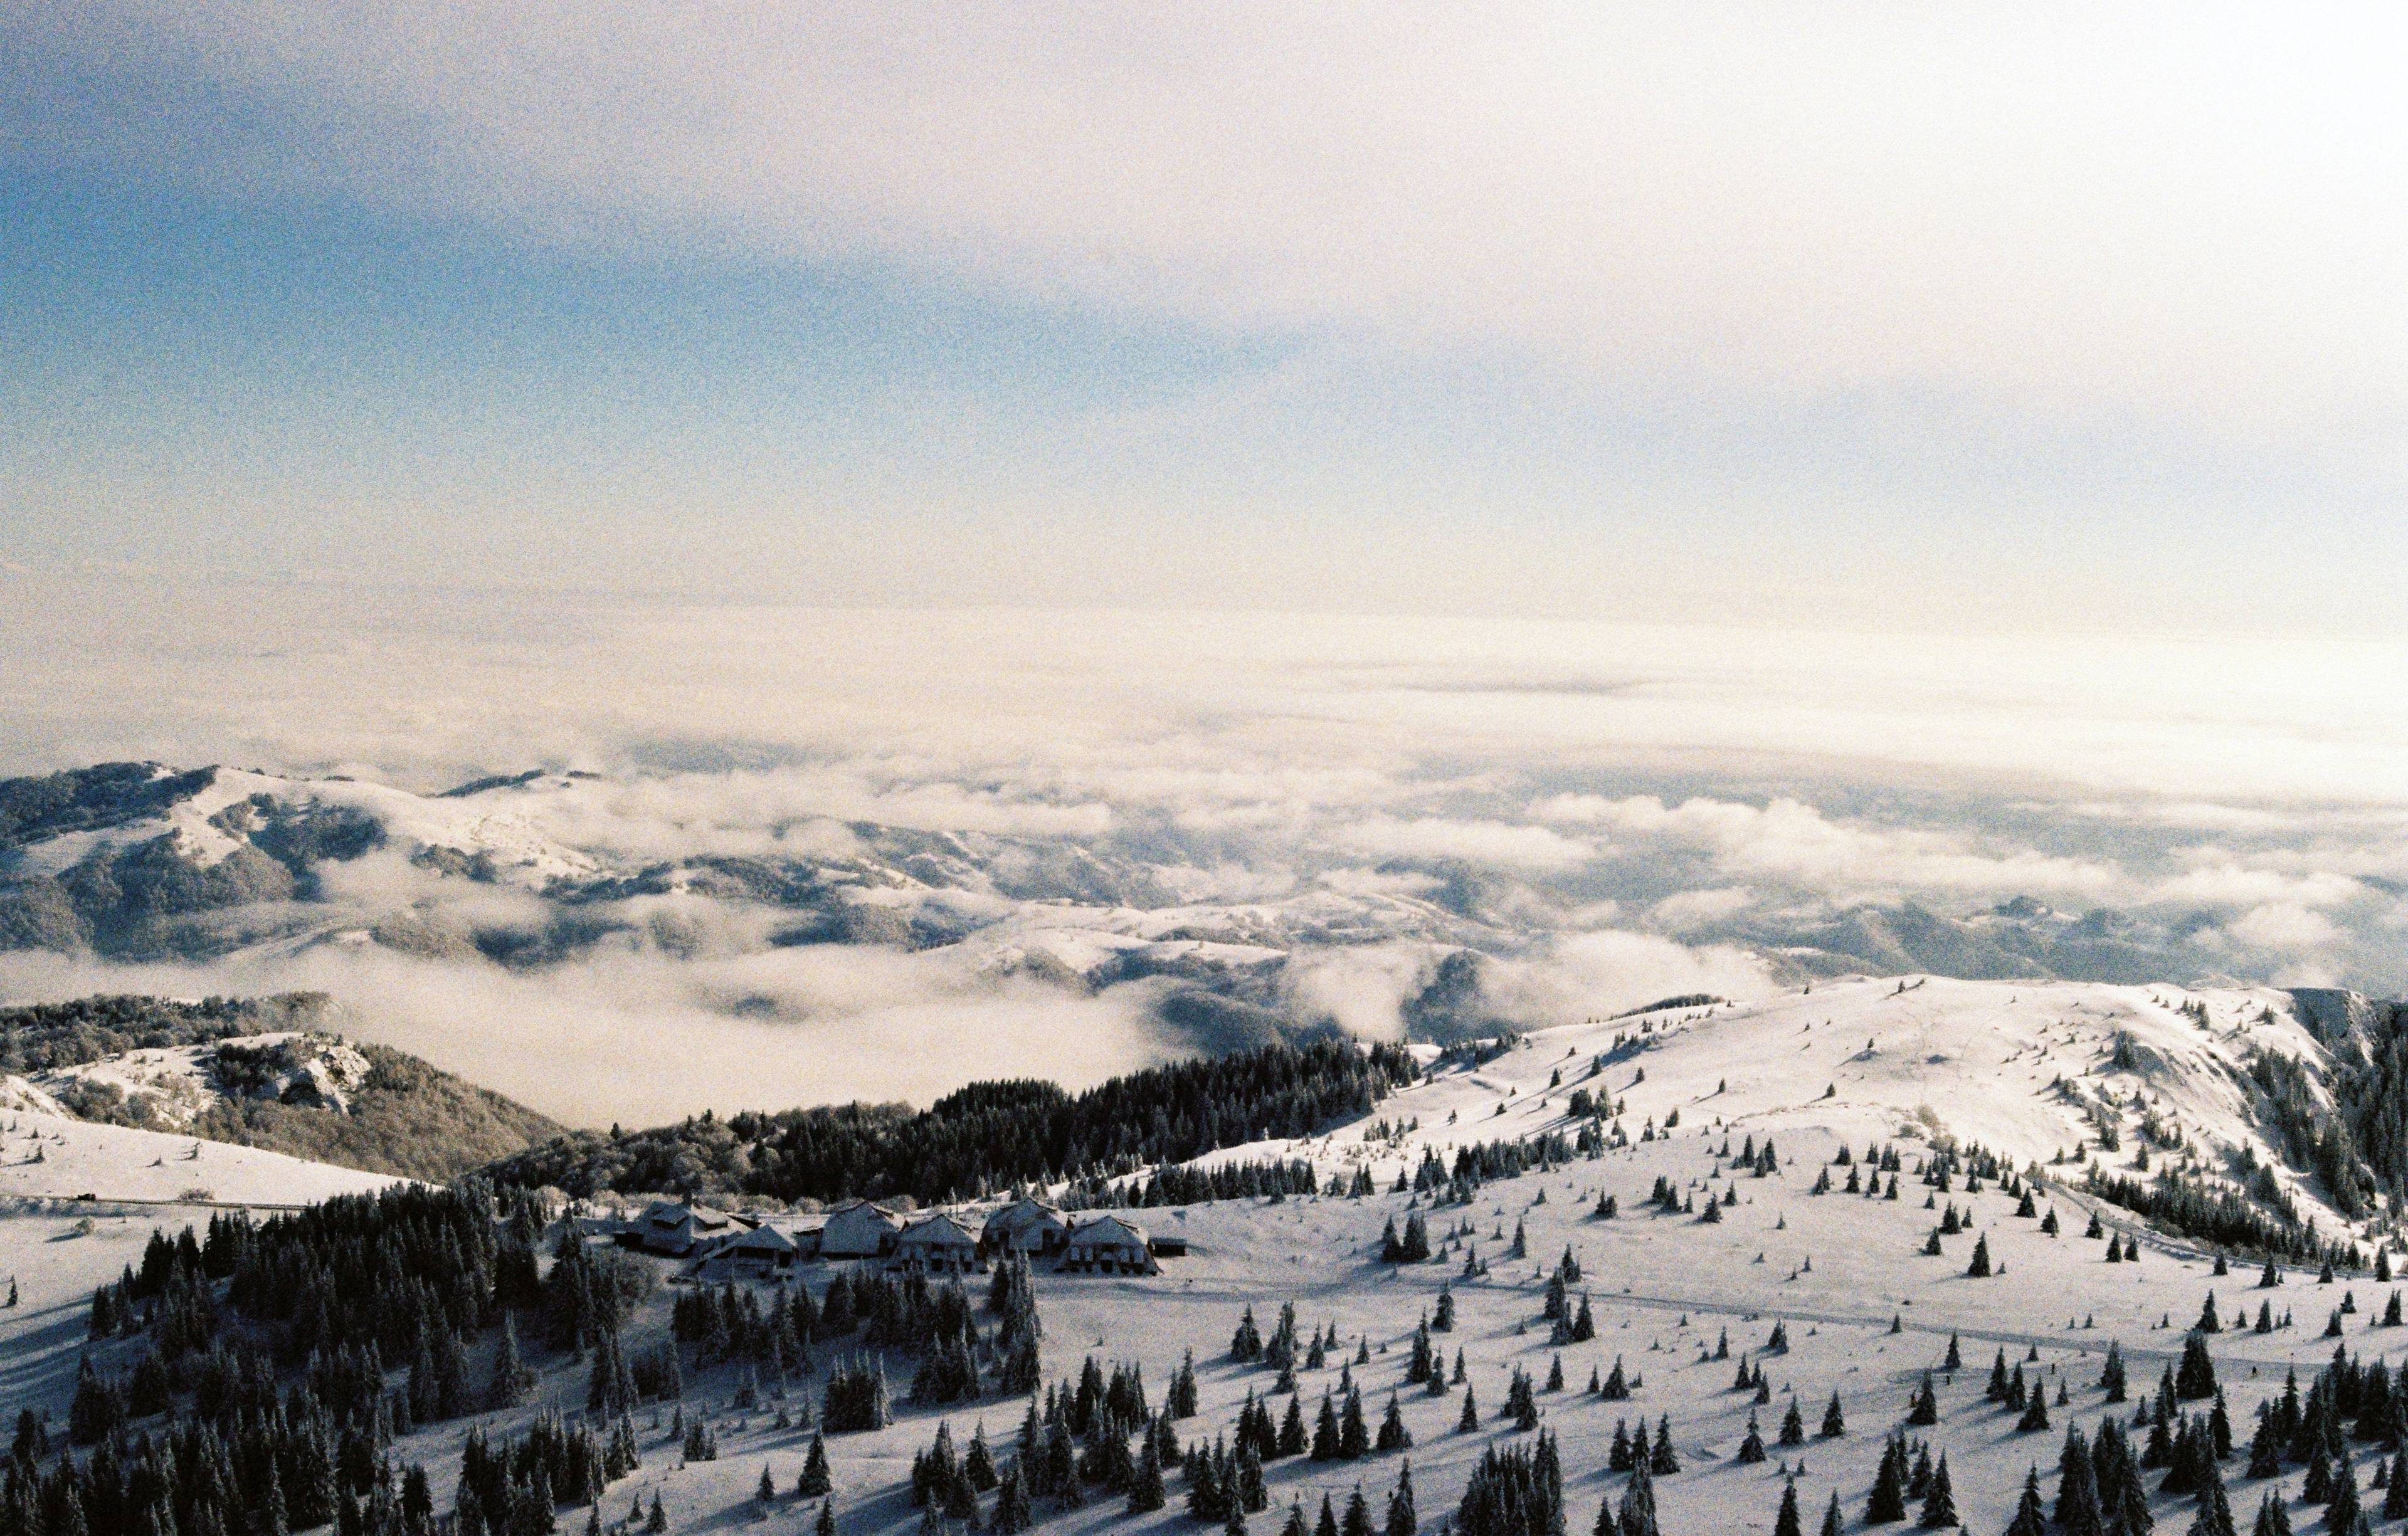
[{"x": 986, "y": 1137}]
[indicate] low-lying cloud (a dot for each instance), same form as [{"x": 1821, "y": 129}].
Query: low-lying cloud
[{"x": 1075, "y": 844}]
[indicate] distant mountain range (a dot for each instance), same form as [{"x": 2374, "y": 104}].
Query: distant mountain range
[{"x": 139, "y": 862}]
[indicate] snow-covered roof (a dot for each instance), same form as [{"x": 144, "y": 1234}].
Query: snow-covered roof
[
  {"x": 1108, "y": 1231},
  {"x": 942, "y": 1231},
  {"x": 762, "y": 1239},
  {"x": 665, "y": 1214}
]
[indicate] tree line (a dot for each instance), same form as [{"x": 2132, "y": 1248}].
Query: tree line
[{"x": 984, "y": 1137}]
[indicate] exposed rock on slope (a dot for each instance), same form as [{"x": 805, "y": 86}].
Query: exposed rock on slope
[{"x": 208, "y": 1070}]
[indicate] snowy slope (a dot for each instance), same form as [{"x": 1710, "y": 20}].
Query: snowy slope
[
  {"x": 48, "y": 1156},
  {"x": 172, "y": 1085},
  {"x": 1680, "y": 1302},
  {"x": 1867, "y": 1311},
  {"x": 56, "y": 1246},
  {"x": 2018, "y": 1068}
]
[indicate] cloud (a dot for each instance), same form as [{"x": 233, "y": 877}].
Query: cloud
[
  {"x": 2284, "y": 927},
  {"x": 639, "y": 1036},
  {"x": 1320, "y": 787},
  {"x": 1701, "y": 908},
  {"x": 1587, "y": 976},
  {"x": 1492, "y": 844},
  {"x": 1362, "y": 987},
  {"x": 2217, "y": 880},
  {"x": 2071, "y": 207},
  {"x": 1786, "y": 840}
]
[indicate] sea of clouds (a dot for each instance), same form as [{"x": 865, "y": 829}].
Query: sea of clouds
[{"x": 1634, "y": 810}]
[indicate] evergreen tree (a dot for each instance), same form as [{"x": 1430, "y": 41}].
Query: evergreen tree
[
  {"x": 2077, "y": 1487},
  {"x": 2342, "y": 1515},
  {"x": 1354, "y": 1435},
  {"x": 1357, "y": 1518},
  {"x": 1401, "y": 1519},
  {"x": 1012, "y": 1513},
  {"x": 1887, "y": 1501},
  {"x": 1923, "y": 1409},
  {"x": 1146, "y": 1492},
  {"x": 2029, "y": 1518},
  {"x": 511, "y": 1379},
  {"x": 1940, "y": 1504},
  {"x": 815, "y": 1482},
  {"x": 2035, "y": 1413}
]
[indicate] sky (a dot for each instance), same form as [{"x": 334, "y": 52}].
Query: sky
[
  {"x": 1702, "y": 468},
  {"x": 1976, "y": 317}
]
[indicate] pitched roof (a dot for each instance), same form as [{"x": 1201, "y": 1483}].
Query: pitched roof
[
  {"x": 864, "y": 1207},
  {"x": 938, "y": 1228},
  {"x": 1111, "y": 1230},
  {"x": 765, "y": 1240},
  {"x": 666, "y": 1213}
]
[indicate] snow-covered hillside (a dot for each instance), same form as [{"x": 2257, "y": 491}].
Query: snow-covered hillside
[
  {"x": 167, "y": 1087},
  {"x": 51, "y": 1156},
  {"x": 2028, "y": 1071},
  {"x": 1765, "y": 1264},
  {"x": 1680, "y": 1302},
  {"x": 78, "y": 1200}
]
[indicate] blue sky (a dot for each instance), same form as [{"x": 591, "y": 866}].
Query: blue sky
[{"x": 2015, "y": 316}]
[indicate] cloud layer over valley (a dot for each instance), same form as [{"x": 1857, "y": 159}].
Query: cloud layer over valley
[{"x": 791, "y": 856}]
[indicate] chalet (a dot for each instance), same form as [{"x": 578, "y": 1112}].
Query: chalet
[
  {"x": 762, "y": 1251},
  {"x": 1024, "y": 1227},
  {"x": 938, "y": 1245},
  {"x": 668, "y": 1227},
  {"x": 859, "y": 1229},
  {"x": 1108, "y": 1245}
]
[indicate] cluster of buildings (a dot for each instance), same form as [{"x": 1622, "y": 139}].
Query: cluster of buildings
[{"x": 929, "y": 1244}]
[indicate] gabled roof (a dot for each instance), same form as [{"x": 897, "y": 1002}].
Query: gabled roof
[
  {"x": 1023, "y": 1214},
  {"x": 764, "y": 1240},
  {"x": 1110, "y": 1229},
  {"x": 939, "y": 1229},
  {"x": 667, "y": 1214},
  {"x": 865, "y": 1208}
]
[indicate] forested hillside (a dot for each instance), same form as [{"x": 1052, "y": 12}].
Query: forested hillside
[
  {"x": 404, "y": 1118},
  {"x": 987, "y": 1135}
]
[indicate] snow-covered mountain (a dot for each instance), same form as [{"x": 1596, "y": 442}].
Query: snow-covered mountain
[{"x": 137, "y": 862}]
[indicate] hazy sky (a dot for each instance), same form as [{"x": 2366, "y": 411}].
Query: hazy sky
[{"x": 1839, "y": 314}]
